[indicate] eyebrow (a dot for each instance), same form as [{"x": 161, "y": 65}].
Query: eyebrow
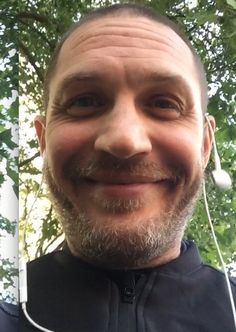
[
  {"x": 158, "y": 77},
  {"x": 174, "y": 80},
  {"x": 167, "y": 78},
  {"x": 77, "y": 77}
]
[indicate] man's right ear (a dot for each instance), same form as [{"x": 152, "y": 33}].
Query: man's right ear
[{"x": 39, "y": 124}]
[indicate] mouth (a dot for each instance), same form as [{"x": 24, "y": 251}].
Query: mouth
[
  {"x": 124, "y": 180},
  {"x": 122, "y": 186}
]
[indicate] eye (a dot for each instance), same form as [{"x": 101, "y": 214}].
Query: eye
[
  {"x": 162, "y": 103},
  {"x": 164, "y": 107},
  {"x": 85, "y": 105}
]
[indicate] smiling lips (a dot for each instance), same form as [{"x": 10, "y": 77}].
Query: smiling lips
[
  {"x": 124, "y": 180},
  {"x": 125, "y": 185},
  {"x": 121, "y": 180}
]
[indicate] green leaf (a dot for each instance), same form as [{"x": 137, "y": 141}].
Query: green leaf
[
  {"x": 231, "y": 3},
  {"x": 6, "y": 138},
  {"x": 12, "y": 174},
  {"x": 204, "y": 17},
  {"x": 2, "y": 128},
  {"x": 2, "y": 178}
]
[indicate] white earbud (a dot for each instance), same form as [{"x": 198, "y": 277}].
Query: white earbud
[{"x": 220, "y": 177}]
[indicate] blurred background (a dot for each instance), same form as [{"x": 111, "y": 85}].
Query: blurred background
[{"x": 8, "y": 153}]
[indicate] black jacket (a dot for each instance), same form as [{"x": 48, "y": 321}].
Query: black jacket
[
  {"x": 8, "y": 317},
  {"x": 68, "y": 295}
]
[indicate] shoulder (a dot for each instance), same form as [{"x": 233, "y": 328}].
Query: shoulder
[
  {"x": 45, "y": 266},
  {"x": 56, "y": 260},
  {"x": 203, "y": 275},
  {"x": 8, "y": 310},
  {"x": 8, "y": 317},
  {"x": 216, "y": 274},
  {"x": 55, "y": 267},
  {"x": 44, "y": 260}
]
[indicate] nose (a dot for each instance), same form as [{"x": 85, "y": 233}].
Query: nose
[{"x": 123, "y": 134}]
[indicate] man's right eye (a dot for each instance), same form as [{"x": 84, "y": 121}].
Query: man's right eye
[{"x": 84, "y": 105}]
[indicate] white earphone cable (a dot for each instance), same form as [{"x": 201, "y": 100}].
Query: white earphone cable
[
  {"x": 220, "y": 255},
  {"x": 31, "y": 321},
  {"x": 23, "y": 271},
  {"x": 23, "y": 295}
]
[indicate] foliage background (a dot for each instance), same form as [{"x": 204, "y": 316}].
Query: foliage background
[
  {"x": 211, "y": 26},
  {"x": 8, "y": 139}
]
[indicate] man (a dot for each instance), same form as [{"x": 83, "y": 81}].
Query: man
[
  {"x": 8, "y": 317},
  {"x": 125, "y": 146}
]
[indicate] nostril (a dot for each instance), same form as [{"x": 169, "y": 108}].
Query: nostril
[{"x": 123, "y": 144}]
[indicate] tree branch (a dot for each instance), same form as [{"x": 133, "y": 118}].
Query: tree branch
[
  {"x": 52, "y": 241},
  {"x": 38, "y": 33},
  {"x": 31, "y": 60},
  {"x": 27, "y": 161},
  {"x": 34, "y": 16}
]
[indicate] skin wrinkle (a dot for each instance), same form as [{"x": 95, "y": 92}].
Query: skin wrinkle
[
  {"x": 171, "y": 44},
  {"x": 122, "y": 37},
  {"x": 90, "y": 40},
  {"x": 129, "y": 32},
  {"x": 120, "y": 51}
]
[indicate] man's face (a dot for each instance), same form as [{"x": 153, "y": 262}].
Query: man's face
[{"x": 124, "y": 140}]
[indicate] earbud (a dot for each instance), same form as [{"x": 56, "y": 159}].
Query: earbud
[{"x": 220, "y": 177}]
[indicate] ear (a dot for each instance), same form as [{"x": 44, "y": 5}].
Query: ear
[
  {"x": 209, "y": 128},
  {"x": 39, "y": 124}
]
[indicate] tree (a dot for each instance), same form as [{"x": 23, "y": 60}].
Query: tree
[
  {"x": 8, "y": 128},
  {"x": 210, "y": 26}
]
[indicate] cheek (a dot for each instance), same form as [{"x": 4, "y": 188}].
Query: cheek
[
  {"x": 181, "y": 148},
  {"x": 65, "y": 141}
]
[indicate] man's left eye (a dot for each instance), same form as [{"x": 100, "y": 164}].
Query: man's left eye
[
  {"x": 162, "y": 107},
  {"x": 163, "y": 103}
]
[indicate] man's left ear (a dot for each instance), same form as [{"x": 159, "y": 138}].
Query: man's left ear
[{"x": 209, "y": 128}]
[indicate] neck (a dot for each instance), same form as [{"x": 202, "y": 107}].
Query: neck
[{"x": 168, "y": 256}]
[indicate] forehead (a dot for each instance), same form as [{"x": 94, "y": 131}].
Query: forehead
[
  {"x": 136, "y": 44},
  {"x": 124, "y": 31}
]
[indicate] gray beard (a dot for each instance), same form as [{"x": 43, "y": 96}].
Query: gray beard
[{"x": 121, "y": 246}]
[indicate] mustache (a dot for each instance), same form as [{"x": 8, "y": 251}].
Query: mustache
[{"x": 111, "y": 167}]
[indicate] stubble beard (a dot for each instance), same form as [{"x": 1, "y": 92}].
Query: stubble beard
[{"x": 121, "y": 245}]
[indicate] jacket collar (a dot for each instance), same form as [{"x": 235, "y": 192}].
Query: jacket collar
[{"x": 188, "y": 261}]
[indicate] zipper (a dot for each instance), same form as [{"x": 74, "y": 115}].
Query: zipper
[
  {"x": 130, "y": 284},
  {"x": 128, "y": 287}
]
